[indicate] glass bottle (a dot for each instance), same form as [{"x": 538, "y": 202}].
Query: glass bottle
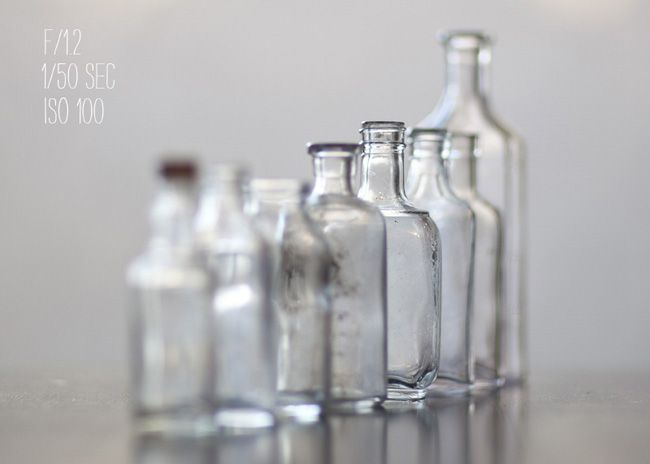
[
  {"x": 460, "y": 163},
  {"x": 301, "y": 270},
  {"x": 169, "y": 309},
  {"x": 243, "y": 368},
  {"x": 413, "y": 264},
  {"x": 464, "y": 106},
  {"x": 356, "y": 236},
  {"x": 427, "y": 186}
]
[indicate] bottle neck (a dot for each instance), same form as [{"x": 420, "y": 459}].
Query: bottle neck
[
  {"x": 427, "y": 176},
  {"x": 332, "y": 175},
  {"x": 382, "y": 173},
  {"x": 463, "y": 76},
  {"x": 171, "y": 217},
  {"x": 462, "y": 176}
]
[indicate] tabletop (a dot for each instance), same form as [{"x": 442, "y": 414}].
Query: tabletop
[{"x": 83, "y": 417}]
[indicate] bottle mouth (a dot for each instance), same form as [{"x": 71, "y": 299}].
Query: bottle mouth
[
  {"x": 470, "y": 40},
  {"x": 383, "y": 132},
  {"x": 333, "y": 149},
  {"x": 421, "y": 134}
]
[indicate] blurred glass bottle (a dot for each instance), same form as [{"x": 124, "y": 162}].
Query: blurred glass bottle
[
  {"x": 243, "y": 368},
  {"x": 356, "y": 236},
  {"x": 464, "y": 106},
  {"x": 460, "y": 163},
  {"x": 301, "y": 270},
  {"x": 427, "y": 186},
  {"x": 413, "y": 264},
  {"x": 169, "y": 312}
]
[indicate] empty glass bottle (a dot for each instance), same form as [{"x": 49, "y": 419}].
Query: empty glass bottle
[
  {"x": 460, "y": 163},
  {"x": 356, "y": 236},
  {"x": 427, "y": 186},
  {"x": 169, "y": 310},
  {"x": 301, "y": 271},
  {"x": 464, "y": 106},
  {"x": 413, "y": 264},
  {"x": 243, "y": 368}
]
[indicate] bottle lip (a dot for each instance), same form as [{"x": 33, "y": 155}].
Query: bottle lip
[
  {"x": 332, "y": 149},
  {"x": 464, "y": 39},
  {"x": 383, "y": 132},
  {"x": 424, "y": 134}
]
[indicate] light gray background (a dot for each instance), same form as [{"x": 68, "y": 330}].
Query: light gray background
[{"x": 254, "y": 81}]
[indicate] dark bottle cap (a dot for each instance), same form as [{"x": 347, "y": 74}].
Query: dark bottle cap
[{"x": 178, "y": 169}]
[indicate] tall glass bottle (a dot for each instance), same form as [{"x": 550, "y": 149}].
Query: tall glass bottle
[
  {"x": 170, "y": 307},
  {"x": 460, "y": 163},
  {"x": 464, "y": 106},
  {"x": 356, "y": 235},
  {"x": 301, "y": 270},
  {"x": 413, "y": 264},
  {"x": 243, "y": 368},
  {"x": 427, "y": 186}
]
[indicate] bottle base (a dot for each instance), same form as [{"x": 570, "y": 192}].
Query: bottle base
[
  {"x": 485, "y": 386},
  {"x": 356, "y": 406},
  {"x": 173, "y": 424},
  {"x": 401, "y": 393},
  {"x": 242, "y": 419},
  {"x": 445, "y": 387},
  {"x": 305, "y": 413}
]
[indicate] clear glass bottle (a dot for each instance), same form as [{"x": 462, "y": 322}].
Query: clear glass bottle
[
  {"x": 465, "y": 107},
  {"x": 169, "y": 293},
  {"x": 427, "y": 186},
  {"x": 243, "y": 368},
  {"x": 301, "y": 271},
  {"x": 413, "y": 264},
  {"x": 460, "y": 163},
  {"x": 356, "y": 236}
]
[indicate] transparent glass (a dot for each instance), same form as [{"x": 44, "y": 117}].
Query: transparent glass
[
  {"x": 169, "y": 311},
  {"x": 465, "y": 107},
  {"x": 413, "y": 264},
  {"x": 460, "y": 163},
  {"x": 356, "y": 236},
  {"x": 243, "y": 365},
  {"x": 301, "y": 270},
  {"x": 427, "y": 186}
]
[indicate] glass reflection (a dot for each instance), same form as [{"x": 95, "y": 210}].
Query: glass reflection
[{"x": 488, "y": 429}]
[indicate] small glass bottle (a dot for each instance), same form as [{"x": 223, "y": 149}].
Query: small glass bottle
[
  {"x": 301, "y": 271},
  {"x": 243, "y": 368},
  {"x": 460, "y": 163},
  {"x": 170, "y": 307},
  {"x": 427, "y": 186},
  {"x": 413, "y": 264},
  {"x": 356, "y": 236},
  {"x": 465, "y": 107}
]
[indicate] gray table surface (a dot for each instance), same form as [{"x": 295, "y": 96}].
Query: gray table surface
[{"x": 82, "y": 417}]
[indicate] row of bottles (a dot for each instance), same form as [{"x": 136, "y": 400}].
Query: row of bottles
[{"x": 270, "y": 298}]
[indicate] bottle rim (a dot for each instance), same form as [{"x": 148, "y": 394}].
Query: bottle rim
[{"x": 332, "y": 149}]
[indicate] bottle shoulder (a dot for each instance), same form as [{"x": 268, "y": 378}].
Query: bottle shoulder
[{"x": 342, "y": 208}]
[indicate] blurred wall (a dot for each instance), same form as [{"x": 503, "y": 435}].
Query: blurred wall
[{"x": 254, "y": 80}]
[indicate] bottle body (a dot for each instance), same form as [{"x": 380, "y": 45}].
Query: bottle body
[
  {"x": 243, "y": 328},
  {"x": 301, "y": 272},
  {"x": 460, "y": 163},
  {"x": 413, "y": 259},
  {"x": 428, "y": 188},
  {"x": 355, "y": 234},
  {"x": 169, "y": 296},
  {"x": 464, "y": 107}
]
